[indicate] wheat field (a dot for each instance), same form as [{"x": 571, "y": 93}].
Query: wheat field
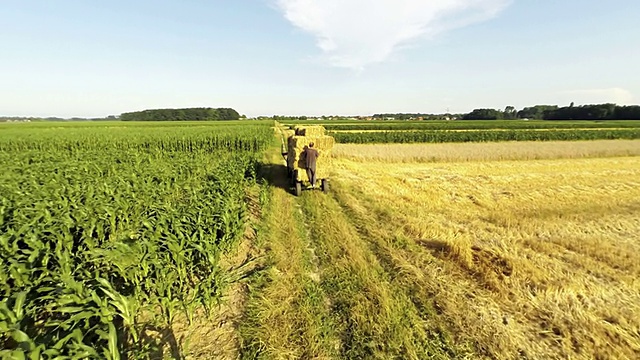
[
  {"x": 456, "y": 152},
  {"x": 529, "y": 259},
  {"x": 483, "y": 253}
]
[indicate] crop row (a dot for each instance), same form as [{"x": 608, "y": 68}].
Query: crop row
[
  {"x": 483, "y": 136},
  {"x": 95, "y": 244},
  {"x": 134, "y": 124},
  {"x": 190, "y": 139}
]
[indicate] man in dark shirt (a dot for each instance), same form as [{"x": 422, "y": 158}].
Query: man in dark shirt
[{"x": 311, "y": 155}]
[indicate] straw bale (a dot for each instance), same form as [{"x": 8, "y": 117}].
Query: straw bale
[
  {"x": 315, "y": 130},
  {"x": 324, "y": 145},
  {"x": 323, "y": 142}
]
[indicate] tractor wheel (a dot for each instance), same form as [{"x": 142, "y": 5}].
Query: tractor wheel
[
  {"x": 325, "y": 185},
  {"x": 298, "y": 190}
]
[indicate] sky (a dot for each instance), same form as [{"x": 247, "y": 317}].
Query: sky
[{"x": 90, "y": 58}]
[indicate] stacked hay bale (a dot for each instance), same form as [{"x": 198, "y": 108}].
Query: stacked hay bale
[
  {"x": 297, "y": 144},
  {"x": 310, "y": 130},
  {"x": 286, "y": 134}
]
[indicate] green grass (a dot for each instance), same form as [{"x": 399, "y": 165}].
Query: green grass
[{"x": 287, "y": 315}]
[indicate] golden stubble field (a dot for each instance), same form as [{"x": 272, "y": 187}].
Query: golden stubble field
[
  {"x": 518, "y": 258},
  {"x": 456, "y": 152}
]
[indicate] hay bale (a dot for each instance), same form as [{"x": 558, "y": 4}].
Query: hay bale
[
  {"x": 310, "y": 130},
  {"x": 285, "y": 135},
  {"x": 324, "y": 145},
  {"x": 323, "y": 142}
]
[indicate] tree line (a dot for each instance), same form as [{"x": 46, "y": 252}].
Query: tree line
[
  {"x": 189, "y": 114},
  {"x": 415, "y": 116},
  {"x": 553, "y": 112}
]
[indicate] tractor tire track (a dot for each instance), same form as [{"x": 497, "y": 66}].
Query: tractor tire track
[
  {"x": 286, "y": 316},
  {"x": 375, "y": 317}
]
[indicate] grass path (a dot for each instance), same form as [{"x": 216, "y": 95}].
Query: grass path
[
  {"x": 288, "y": 314},
  {"x": 327, "y": 293}
]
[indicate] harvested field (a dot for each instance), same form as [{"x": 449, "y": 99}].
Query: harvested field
[
  {"x": 525, "y": 150},
  {"x": 535, "y": 259},
  {"x": 481, "y": 259}
]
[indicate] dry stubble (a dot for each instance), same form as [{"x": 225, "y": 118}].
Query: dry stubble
[
  {"x": 522, "y": 258},
  {"x": 522, "y": 150}
]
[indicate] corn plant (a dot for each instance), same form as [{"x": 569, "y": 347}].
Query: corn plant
[{"x": 99, "y": 227}]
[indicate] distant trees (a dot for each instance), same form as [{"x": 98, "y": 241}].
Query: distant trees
[
  {"x": 399, "y": 116},
  {"x": 535, "y": 112},
  {"x": 484, "y": 114},
  {"x": 585, "y": 112},
  {"x": 288, "y": 118},
  {"x": 414, "y": 116},
  {"x": 553, "y": 112},
  {"x": 510, "y": 113},
  {"x": 627, "y": 112},
  {"x": 189, "y": 114},
  {"x": 225, "y": 114}
]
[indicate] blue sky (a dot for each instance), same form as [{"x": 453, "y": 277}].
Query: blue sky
[{"x": 293, "y": 57}]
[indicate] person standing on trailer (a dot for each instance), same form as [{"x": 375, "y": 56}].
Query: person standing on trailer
[{"x": 311, "y": 155}]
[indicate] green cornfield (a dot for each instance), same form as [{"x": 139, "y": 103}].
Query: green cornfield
[{"x": 107, "y": 228}]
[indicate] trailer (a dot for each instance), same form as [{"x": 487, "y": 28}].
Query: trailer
[{"x": 294, "y": 154}]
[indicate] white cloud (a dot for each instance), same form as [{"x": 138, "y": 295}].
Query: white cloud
[
  {"x": 356, "y": 33},
  {"x": 598, "y": 96}
]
